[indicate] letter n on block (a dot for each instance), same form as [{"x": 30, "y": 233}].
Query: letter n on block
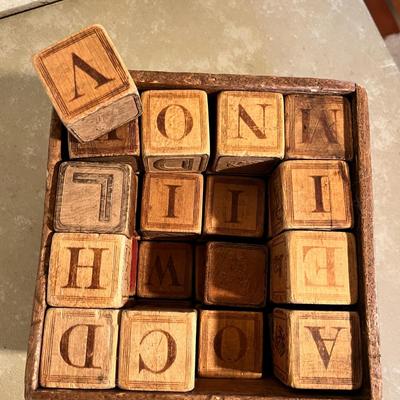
[
  {"x": 317, "y": 349},
  {"x": 157, "y": 350},
  {"x": 89, "y": 270},
  {"x": 96, "y": 198},
  {"x": 79, "y": 348},
  {"x": 230, "y": 344},
  {"x": 175, "y": 132},
  {"x": 88, "y": 84},
  {"x": 250, "y": 136},
  {"x": 310, "y": 194},
  {"x": 171, "y": 205}
]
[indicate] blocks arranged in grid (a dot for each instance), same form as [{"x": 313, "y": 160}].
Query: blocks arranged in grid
[
  {"x": 88, "y": 84},
  {"x": 172, "y": 205},
  {"x": 157, "y": 350},
  {"x": 165, "y": 270},
  {"x": 311, "y": 267},
  {"x": 89, "y": 270},
  {"x": 79, "y": 348},
  {"x": 250, "y": 132},
  {"x": 95, "y": 197},
  {"x": 231, "y": 274},
  {"x": 310, "y": 194},
  {"x": 120, "y": 144},
  {"x": 175, "y": 131},
  {"x": 318, "y": 127},
  {"x": 317, "y": 349},
  {"x": 230, "y": 344},
  {"x": 235, "y": 206}
]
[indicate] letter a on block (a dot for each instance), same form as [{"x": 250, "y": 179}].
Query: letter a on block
[
  {"x": 157, "y": 350},
  {"x": 79, "y": 348},
  {"x": 87, "y": 83}
]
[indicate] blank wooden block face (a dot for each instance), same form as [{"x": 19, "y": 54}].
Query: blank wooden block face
[
  {"x": 157, "y": 350},
  {"x": 234, "y": 206},
  {"x": 165, "y": 270},
  {"x": 79, "y": 349},
  {"x": 89, "y": 270},
  {"x": 310, "y": 267},
  {"x": 310, "y": 194},
  {"x": 95, "y": 197},
  {"x": 317, "y": 349},
  {"x": 120, "y": 144},
  {"x": 171, "y": 205},
  {"x": 233, "y": 275},
  {"x": 250, "y": 133},
  {"x": 318, "y": 127},
  {"x": 230, "y": 344},
  {"x": 88, "y": 84},
  {"x": 175, "y": 130}
]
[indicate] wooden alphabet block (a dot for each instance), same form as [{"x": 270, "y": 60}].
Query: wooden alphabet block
[
  {"x": 232, "y": 274},
  {"x": 234, "y": 206},
  {"x": 165, "y": 270},
  {"x": 95, "y": 197},
  {"x": 172, "y": 205},
  {"x": 311, "y": 267},
  {"x": 175, "y": 130},
  {"x": 121, "y": 144},
  {"x": 310, "y": 194},
  {"x": 318, "y": 127},
  {"x": 317, "y": 349},
  {"x": 89, "y": 270},
  {"x": 230, "y": 344},
  {"x": 250, "y": 137},
  {"x": 88, "y": 84},
  {"x": 157, "y": 350},
  {"x": 79, "y": 348}
]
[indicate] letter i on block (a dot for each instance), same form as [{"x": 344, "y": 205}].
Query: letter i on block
[
  {"x": 89, "y": 270},
  {"x": 96, "y": 197},
  {"x": 250, "y": 137},
  {"x": 311, "y": 267},
  {"x": 157, "y": 350},
  {"x": 310, "y": 194},
  {"x": 79, "y": 349},
  {"x": 230, "y": 344},
  {"x": 175, "y": 132},
  {"x": 88, "y": 84},
  {"x": 318, "y": 127},
  {"x": 317, "y": 349}
]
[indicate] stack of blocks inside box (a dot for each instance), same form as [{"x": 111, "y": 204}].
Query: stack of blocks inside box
[{"x": 209, "y": 238}]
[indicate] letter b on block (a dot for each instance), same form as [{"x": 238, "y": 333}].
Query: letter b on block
[{"x": 157, "y": 350}]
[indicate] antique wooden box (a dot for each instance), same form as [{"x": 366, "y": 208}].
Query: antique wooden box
[{"x": 267, "y": 387}]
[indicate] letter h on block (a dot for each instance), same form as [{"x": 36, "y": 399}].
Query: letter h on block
[
  {"x": 175, "y": 132},
  {"x": 96, "y": 198},
  {"x": 88, "y": 84}
]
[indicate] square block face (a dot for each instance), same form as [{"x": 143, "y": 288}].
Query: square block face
[
  {"x": 313, "y": 268},
  {"x": 234, "y": 206},
  {"x": 250, "y": 132},
  {"x": 175, "y": 130},
  {"x": 89, "y": 270},
  {"x": 310, "y": 194},
  {"x": 230, "y": 344},
  {"x": 79, "y": 349},
  {"x": 83, "y": 73},
  {"x": 95, "y": 197},
  {"x": 317, "y": 349},
  {"x": 157, "y": 350},
  {"x": 234, "y": 275},
  {"x": 165, "y": 270},
  {"x": 120, "y": 144},
  {"x": 318, "y": 127},
  {"x": 171, "y": 205}
]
